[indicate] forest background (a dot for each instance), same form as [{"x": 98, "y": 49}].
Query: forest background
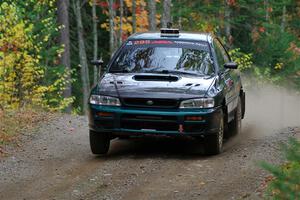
[{"x": 46, "y": 45}]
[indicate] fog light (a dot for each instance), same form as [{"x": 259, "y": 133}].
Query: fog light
[
  {"x": 193, "y": 118},
  {"x": 105, "y": 114}
]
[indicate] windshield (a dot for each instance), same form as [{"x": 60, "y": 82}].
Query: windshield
[{"x": 162, "y": 59}]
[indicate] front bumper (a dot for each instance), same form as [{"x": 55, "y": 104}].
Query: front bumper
[{"x": 142, "y": 121}]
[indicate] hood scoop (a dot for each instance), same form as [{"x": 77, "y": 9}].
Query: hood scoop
[{"x": 168, "y": 78}]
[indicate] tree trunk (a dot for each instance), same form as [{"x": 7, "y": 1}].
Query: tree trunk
[
  {"x": 283, "y": 21},
  {"x": 266, "y": 2},
  {"x": 180, "y": 16},
  {"x": 166, "y": 17},
  {"x": 121, "y": 22},
  {"x": 141, "y": 25},
  {"x": 95, "y": 36},
  {"x": 227, "y": 22},
  {"x": 133, "y": 16},
  {"x": 64, "y": 40},
  {"x": 152, "y": 15},
  {"x": 111, "y": 27},
  {"x": 82, "y": 55}
]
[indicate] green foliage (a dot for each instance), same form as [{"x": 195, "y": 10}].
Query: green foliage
[
  {"x": 25, "y": 77},
  {"x": 276, "y": 59},
  {"x": 264, "y": 42},
  {"x": 286, "y": 184},
  {"x": 268, "y": 38},
  {"x": 245, "y": 61}
]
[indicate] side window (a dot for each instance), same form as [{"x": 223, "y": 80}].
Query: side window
[
  {"x": 222, "y": 56},
  {"x": 225, "y": 55},
  {"x": 219, "y": 55}
]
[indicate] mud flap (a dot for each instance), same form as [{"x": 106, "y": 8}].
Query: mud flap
[{"x": 243, "y": 99}]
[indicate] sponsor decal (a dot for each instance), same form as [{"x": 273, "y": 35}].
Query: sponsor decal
[
  {"x": 141, "y": 42},
  {"x": 147, "y": 42},
  {"x": 162, "y": 42},
  {"x": 190, "y": 43}
]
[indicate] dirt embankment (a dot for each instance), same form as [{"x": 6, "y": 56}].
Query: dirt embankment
[{"x": 57, "y": 163}]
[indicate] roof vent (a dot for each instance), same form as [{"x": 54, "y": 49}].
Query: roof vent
[{"x": 169, "y": 32}]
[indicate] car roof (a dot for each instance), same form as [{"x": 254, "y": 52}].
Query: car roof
[{"x": 205, "y": 37}]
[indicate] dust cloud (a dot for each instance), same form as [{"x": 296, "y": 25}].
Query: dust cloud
[{"x": 270, "y": 109}]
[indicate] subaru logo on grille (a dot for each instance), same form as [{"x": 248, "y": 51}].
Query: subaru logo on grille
[{"x": 150, "y": 103}]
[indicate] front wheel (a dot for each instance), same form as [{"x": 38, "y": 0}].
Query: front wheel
[
  {"x": 99, "y": 142},
  {"x": 213, "y": 144}
]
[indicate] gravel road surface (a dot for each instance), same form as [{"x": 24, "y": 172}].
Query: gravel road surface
[{"x": 56, "y": 162}]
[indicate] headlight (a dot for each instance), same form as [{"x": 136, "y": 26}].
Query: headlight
[
  {"x": 104, "y": 100},
  {"x": 198, "y": 103}
]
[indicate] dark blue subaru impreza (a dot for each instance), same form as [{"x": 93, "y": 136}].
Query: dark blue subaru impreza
[{"x": 168, "y": 83}]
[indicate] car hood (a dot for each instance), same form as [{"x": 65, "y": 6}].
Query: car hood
[{"x": 128, "y": 85}]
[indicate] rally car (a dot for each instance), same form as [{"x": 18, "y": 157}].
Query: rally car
[{"x": 168, "y": 83}]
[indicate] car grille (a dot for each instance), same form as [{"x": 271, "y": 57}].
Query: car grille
[
  {"x": 150, "y": 103},
  {"x": 149, "y": 122}
]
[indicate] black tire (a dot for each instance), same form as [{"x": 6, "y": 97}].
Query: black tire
[
  {"x": 235, "y": 126},
  {"x": 99, "y": 142},
  {"x": 213, "y": 144}
]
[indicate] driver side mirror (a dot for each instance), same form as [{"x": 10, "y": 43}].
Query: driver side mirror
[
  {"x": 231, "y": 65},
  {"x": 97, "y": 63}
]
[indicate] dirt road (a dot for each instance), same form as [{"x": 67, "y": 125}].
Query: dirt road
[{"x": 56, "y": 163}]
